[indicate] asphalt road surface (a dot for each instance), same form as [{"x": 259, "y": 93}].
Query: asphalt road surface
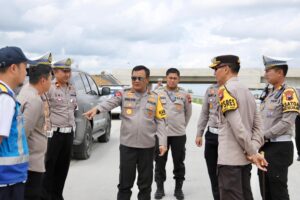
[{"x": 97, "y": 177}]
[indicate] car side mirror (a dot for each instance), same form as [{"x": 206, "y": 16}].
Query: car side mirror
[{"x": 105, "y": 91}]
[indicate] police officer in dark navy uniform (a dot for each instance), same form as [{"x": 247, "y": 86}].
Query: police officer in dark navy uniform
[{"x": 279, "y": 109}]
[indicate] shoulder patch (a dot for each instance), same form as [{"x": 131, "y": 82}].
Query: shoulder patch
[
  {"x": 290, "y": 101},
  {"x": 227, "y": 101},
  {"x": 3, "y": 88},
  {"x": 160, "y": 111}
]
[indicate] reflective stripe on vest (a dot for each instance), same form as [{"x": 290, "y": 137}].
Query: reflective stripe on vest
[{"x": 14, "y": 160}]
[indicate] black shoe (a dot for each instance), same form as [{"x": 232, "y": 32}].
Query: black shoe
[
  {"x": 178, "y": 190},
  {"x": 160, "y": 192},
  {"x": 298, "y": 159}
]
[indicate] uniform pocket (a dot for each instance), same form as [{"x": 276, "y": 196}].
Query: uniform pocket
[
  {"x": 129, "y": 108},
  {"x": 178, "y": 106}
]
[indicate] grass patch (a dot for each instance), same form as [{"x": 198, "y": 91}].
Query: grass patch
[{"x": 197, "y": 100}]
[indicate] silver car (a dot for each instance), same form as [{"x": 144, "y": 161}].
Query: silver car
[{"x": 99, "y": 127}]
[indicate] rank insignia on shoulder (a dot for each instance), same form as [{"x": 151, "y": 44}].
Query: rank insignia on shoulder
[
  {"x": 290, "y": 101},
  {"x": 227, "y": 101}
]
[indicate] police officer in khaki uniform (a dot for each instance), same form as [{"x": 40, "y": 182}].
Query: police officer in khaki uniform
[
  {"x": 209, "y": 117},
  {"x": 143, "y": 117},
  {"x": 62, "y": 99},
  {"x": 177, "y": 103},
  {"x": 279, "y": 109},
  {"x": 240, "y": 131},
  {"x": 32, "y": 107}
]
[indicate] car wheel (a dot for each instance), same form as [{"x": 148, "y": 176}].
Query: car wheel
[
  {"x": 106, "y": 136},
  {"x": 84, "y": 149}
]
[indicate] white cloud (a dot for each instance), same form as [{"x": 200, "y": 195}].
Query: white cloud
[{"x": 107, "y": 34}]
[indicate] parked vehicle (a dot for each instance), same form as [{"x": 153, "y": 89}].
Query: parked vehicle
[{"x": 99, "y": 127}]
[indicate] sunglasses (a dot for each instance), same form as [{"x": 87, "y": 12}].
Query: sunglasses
[
  {"x": 220, "y": 66},
  {"x": 134, "y": 78}
]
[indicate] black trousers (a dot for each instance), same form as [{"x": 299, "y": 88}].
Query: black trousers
[
  {"x": 13, "y": 192},
  {"x": 177, "y": 146},
  {"x": 211, "y": 157},
  {"x": 33, "y": 186},
  {"x": 58, "y": 159},
  {"x": 297, "y": 134},
  {"x": 234, "y": 182},
  {"x": 273, "y": 183},
  {"x": 132, "y": 159}
]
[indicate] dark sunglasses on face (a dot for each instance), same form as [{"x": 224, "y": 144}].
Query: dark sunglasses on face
[
  {"x": 220, "y": 66},
  {"x": 134, "y": 78}
]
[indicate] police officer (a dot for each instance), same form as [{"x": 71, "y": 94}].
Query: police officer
[
  {"x": 279, "y": 110},
  {"x": 209, "y": 117},
  {"x": 62, "y": 99},
  {"x": 32, "y": 106},
  {"x": 13, "y": 144},
  {"x": 177, "y": 103},
  {"x": 142, "y": 117},
  {"x": 240, "y": 131}
]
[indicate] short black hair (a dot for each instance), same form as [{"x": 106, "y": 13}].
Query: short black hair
[
  {"x": 141, "y": 67},
  {"x": 235, "y": 68},
  {"x": 173, "y": 70},
  {"x": 37, "y": 72},
  {"x": 284, "y": 68},
  {"x": 4, "y": 68}
]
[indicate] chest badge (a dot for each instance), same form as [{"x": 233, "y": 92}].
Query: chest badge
[{"x": 129, "y": 111}]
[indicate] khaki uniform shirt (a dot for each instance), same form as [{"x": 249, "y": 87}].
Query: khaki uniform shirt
[
  {"x": 279, "y": 111},
  {"x": 178, "y": 107},
  {"x": 32, "y": 107},
  {"x": 142, "y": 117},
  {"x": 240, "y": 130},
  {"x": 209, "y": 113},
  {"x": 62, "y": 105}
]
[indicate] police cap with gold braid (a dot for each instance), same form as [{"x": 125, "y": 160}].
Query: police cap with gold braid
[
  {"x": 45, "y": 59},
  {"x": 63, "y": 64},
  {"x": 230, "y": 60}
]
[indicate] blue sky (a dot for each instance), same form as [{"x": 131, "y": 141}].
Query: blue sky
[{"x": 101, "y": 35}]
